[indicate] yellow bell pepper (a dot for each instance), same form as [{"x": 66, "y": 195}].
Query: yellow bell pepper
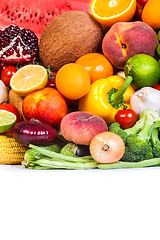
[{"x": 104, "y": 100}]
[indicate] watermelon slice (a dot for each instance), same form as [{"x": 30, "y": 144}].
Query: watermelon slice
[{"x": 36, "y": 14}]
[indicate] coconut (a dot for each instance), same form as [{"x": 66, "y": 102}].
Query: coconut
[{"x": 69, "y": 36}]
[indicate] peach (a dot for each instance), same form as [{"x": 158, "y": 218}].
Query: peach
[
  {"x": 80, "y": 127},
  {"x": 125, "y": 39}
]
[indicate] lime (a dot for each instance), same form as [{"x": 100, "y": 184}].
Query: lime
[
  {"x": 7, "y": 120},
  {"x": 144, "y": 69}
]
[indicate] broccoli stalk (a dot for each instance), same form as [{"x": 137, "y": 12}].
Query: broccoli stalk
[{"x": 155, "y": 139}]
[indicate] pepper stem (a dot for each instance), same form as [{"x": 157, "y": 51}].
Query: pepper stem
[{"x": 117, "y": 95}]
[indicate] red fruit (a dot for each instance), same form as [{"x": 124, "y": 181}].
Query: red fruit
[
  {"x": 18, "y": 45},
  {"x": 7, "y": 73},
  {"x": 126, "y": 118},
  {"x": 47, "y": 105},
  {"x": 34, "y": 15},
  {"x": 3, "y": 65},
  {"x": 139, "y": 9}
]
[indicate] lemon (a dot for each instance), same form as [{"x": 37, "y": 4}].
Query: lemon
[
  {"x": 29, "y": 78},
  {"x": 7, "y": 120},
  {"x": 144, "y": 69}
]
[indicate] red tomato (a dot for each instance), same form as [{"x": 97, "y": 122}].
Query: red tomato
[
  {"x": 11, "y": 108},
  {"x": 126, "y": 118},
  {"x": 7, "y": 73},
  {"x": 51, "y": 79},
  {"x": 3, "y": 65},
  {"x": 157, "y": 86}
]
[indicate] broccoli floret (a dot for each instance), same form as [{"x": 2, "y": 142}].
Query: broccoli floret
[
  {"x": 142, "y": 140},
  {"x": 115, "y": 128},
  {"x": 130, "y": 156}
]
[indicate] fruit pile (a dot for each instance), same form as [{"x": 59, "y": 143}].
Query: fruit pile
[{"x": 80, "y": 82}]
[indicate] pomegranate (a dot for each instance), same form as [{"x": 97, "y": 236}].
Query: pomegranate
[{"x": 18, "y": 45}]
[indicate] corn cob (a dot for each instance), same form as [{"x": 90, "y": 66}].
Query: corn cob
[{"x": 11, "y": 151}]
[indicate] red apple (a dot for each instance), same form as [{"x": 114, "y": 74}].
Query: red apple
[{"x": 46, "y": 105}]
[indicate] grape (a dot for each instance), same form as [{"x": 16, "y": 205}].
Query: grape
[
  {"x": 158, "y": 49},
  {"x": 159, "y": 35}
]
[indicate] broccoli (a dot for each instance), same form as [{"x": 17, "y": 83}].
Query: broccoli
[
  {"x": 141, "y": 141},
  {"x": 155, "y": 139},
  {"x": 130, "y": 156},
  {"x": 115, "y": 127}
]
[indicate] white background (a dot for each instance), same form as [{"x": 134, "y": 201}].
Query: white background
[{"x": 80, "y": 205}]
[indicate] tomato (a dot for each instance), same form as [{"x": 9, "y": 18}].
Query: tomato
[
  {"x": 3, "y": 65},
  {"x": 51, "y": 79},
  {"x": 11, "y": 108},
  {"x": 7, "y": 73},
  {"x": 126, "y": 118},
  {"x": 157, "y": 86}
]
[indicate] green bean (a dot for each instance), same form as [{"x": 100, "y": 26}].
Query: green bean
[{"x": 145, "y": 163}]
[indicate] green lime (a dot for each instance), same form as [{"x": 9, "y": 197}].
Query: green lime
[
  {"x": 144, "y": 69},
  {"x": 7, "y": 120}
]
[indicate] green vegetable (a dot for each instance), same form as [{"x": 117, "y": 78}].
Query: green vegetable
[
  {"x": 155, "y": 139},
  {"x": 145, "y": 163},
  {"x": 44, "y": 158},
  {"x": 140, "y": 140}
]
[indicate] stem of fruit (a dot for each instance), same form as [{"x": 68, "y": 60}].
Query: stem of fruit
[{"x": 117, "y": 95}]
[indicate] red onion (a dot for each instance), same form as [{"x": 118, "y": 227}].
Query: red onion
[{"x": 34, "y": 132}]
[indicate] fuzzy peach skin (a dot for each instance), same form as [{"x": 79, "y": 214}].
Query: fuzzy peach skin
[
  {"x": 80, "y": 127},
  {"x": 125, "y": 39}
]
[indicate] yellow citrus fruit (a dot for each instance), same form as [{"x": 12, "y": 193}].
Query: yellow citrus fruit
[
  {"x": 29, "y": 78},
  {"x": 151, "y": 13},
  {"x": 97, "y": 65},
  {"x": 108, "y": 12}
]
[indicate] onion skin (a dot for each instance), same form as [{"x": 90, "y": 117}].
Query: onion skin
[{"x": 34, "y": 132}]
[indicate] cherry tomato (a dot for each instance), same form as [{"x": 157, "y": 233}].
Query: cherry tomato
[
  {"x": 3, "y": 65},
  {"x": 126, "y": 118},
  {"x": 7, "y": 73},
  {"x": 157, "y": 86},
  {"x": 51, "y": 79}
]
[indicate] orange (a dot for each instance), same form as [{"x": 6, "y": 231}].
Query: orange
[
  {"x": 97, "y": 65},
  {"x": 108, "y": 12},
  {"x": 73, "y": 81},
  {"x": 151, "y": 13},
  {"x": 29, "y": 78}
]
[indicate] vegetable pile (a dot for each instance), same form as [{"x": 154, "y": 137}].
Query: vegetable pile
[{"x": 84, "y": 93}]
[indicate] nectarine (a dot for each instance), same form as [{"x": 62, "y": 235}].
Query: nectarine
[{"x": 47, "y": 105}]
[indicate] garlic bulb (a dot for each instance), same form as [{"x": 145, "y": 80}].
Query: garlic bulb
[
  {"x": 146, "y": 97},
  {"x": 121, "y": 74},
  {"x": 3, "y": 92}
]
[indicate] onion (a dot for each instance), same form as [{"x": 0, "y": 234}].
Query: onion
[{"x": 34, "y": 132}]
